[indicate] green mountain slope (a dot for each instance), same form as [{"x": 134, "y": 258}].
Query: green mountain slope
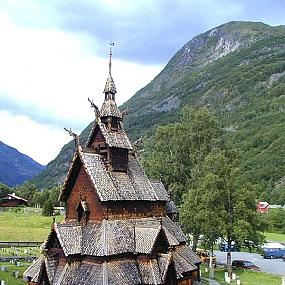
[{"x": 238, "y": 71}]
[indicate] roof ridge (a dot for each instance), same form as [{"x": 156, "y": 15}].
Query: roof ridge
[
  {"x": 105, "y": 239},
  {"x": 152, "y": 271}
]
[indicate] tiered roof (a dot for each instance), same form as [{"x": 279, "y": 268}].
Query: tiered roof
[
  {"x": 113, "y": 139},
  {"x": 132, "y": 185},
  {"x": 113, "y": 237}
]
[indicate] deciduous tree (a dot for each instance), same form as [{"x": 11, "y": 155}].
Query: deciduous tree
[{"x": 175, "y": 149}]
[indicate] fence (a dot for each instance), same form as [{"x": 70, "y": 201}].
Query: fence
[{"x": 5, "y": 244}]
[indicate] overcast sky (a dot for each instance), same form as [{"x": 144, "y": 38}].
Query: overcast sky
[{"x": 54, "y": 55}]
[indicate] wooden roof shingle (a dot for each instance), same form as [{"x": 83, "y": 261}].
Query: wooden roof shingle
[
  {"x": 34, "y": 270},
  {"x": 112, "y": 237},
  {"x": 132, "y": 185},
  {"x": 110, "y": 108}
]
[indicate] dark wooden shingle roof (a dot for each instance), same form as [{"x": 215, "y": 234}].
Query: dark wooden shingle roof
[
  {"x": 112, "y": 237},
  {"x": 114, "y": 138},
  {"x": 110, "y": 85},
  {"x": 132, "y": 185},
  {"x": 34, "y": 270},
  {"x": 109, "y": 108},
  {"x": 118, "y": 271}
]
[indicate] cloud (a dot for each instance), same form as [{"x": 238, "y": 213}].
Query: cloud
[
  {"x": 145, "y": 31},
  {"x": 152, "y": 31},
  {"x": 47, "y": 76},
  {"x": 36, "y": 140}
]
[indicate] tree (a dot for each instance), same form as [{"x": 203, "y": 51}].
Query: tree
[
  {"x": 201, "y": 172},
  {"x": 278, "y": 195},
  {"x": 40, "y": 197},
  {"x": 26, "y": 191},
  {"x": 175, "y": 149},
  {"x": 4, "y": 190},
  {"x": 275, "y": 220},
  {"x": 227, "y": 206},
  {"x": 48, "y": 208},
  {"x": 54, "y": 195}
]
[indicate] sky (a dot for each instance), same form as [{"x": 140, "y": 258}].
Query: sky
[{"x": 54, "y": 55}]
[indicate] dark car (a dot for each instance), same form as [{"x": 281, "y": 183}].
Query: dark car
[
  {"x": 245, "y": 264},
  {"x": 283, "y": 257}
]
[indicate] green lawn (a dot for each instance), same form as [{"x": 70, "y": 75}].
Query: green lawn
[
  {"x": 275, "y": 237},
  {"x": 7, "y": 276},
  {"x": 24, "y": 226},
  {"x": 247, "y": 277}
]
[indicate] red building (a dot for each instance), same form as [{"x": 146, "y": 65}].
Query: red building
[
  {"x": 120, "y": 227},
  {"x": 11, "y": 200},
  {"x": 262, "y": 207}
]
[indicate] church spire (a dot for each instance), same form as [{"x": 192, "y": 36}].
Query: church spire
[
  {"x": 110, "y": 57},
  {"x": 110, "y": 88}
]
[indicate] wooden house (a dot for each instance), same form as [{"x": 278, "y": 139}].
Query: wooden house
[
  {"x": 12, "y": 200},
  {"x": 120, "y": 227},
  {"x": 262, "y": 207}
]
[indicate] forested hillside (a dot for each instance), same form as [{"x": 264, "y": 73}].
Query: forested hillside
[
  {"x": 237, "y": 70},
  {"x": 16, "y": 167}
]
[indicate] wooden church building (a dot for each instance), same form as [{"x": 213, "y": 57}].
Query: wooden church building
[{"x": 120, "y": 226}]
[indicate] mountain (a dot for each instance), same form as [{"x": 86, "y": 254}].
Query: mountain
[
  {"x": 16, "y": 167},
  {"x": 237, "y": 70}
]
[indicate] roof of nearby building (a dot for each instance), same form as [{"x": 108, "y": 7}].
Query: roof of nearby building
[
  {"x": 13, "y": 196},
  {"x": 274, "y": 206},
  {"x": 263, "y": 204}
]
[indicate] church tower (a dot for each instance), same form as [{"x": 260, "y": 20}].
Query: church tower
[{"x": 119, "y": 226}]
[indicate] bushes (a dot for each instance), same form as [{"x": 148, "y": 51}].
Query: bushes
[
  {"x": 274, "y": 220},
  {"x": 48, "y": 208}
]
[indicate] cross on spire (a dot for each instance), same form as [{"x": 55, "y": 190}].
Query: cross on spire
[{"x": 110, "y": 62}]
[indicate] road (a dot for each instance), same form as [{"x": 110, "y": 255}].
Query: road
[{"x": 276, "y": 266}]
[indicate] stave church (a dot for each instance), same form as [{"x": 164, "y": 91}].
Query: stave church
[{"x": 120, "y": 227}]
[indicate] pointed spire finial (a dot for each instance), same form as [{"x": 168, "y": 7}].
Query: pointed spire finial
[
  {"x": 110, "y": 88},
  {"x": 110, "y": 62}
]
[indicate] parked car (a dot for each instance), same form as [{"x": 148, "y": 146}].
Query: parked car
[
  {"x": 283, "y": 257},
  {"x": 224, "y": 247},
  {"x": 273, "y": 252},
  {"x": 245, "y": 264},
  {"x": 205, "y": 256}
]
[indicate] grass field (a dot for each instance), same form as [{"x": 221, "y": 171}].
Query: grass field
[
  {"x": 247, "y": 277},
  {"x": 275, "y": 237},
  {"x": 24, "y": 226}
]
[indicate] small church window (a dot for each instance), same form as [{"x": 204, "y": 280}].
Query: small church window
[
  {"x": 80, "y": 212},
  {"x": 119, "y": 159}
]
